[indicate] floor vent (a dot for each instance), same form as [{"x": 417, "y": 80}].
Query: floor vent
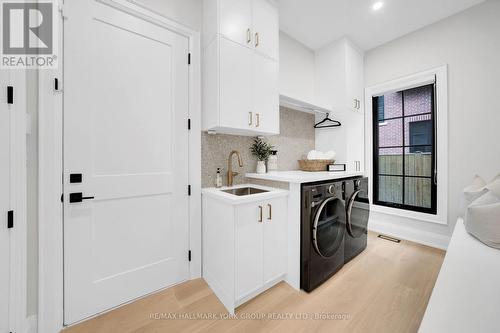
[{"x": 392, "y": 239}]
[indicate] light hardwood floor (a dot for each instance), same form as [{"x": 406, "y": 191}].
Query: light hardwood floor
[{"x": 384, "y": 289}]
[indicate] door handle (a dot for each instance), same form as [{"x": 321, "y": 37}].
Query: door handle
[
  {"x": 260, "y": 213},
  {"x": 78, "y": 197},
  {"x": 256, "y": 39},
  {"x": 270, "y": 212},
  {"x": 258, "y": 120},
  {"x": 249, "y": 36},
  {"x": 250, "y": 118}
]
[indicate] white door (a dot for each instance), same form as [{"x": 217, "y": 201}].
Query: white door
[
  {"x": 5, "y": 205},
  {"x": 236, "y": 20},
  {"x": 275, "y": 258},
  {"x": 236, "y": 105},
  {"x": 266, "y": 94},
  {"x": 266, "y": 28},
  {"x": 125, "y": 132},
  {"x": 249, "y": 248}
]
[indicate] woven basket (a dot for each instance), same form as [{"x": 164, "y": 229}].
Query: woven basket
[{"x": 314, "y": 165}]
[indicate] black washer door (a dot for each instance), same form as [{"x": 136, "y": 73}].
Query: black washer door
[
  {"x": 329, "y": 227},
  {"x": 358, "y": 213}
]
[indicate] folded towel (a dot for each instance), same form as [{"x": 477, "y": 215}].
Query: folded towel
[{"x": 318, "y": 155}]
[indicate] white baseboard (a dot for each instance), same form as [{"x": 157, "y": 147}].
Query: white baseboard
[
  {"x": 410, "y": 233},
  {"x": 32, "y": 324}
]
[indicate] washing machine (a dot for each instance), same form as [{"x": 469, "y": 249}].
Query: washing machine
[
  {"x": 357, "y": 215},
  {"x": 323, "y": 227}
]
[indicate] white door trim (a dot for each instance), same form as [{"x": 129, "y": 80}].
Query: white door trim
[
  {"x": 18, "y": 247},
  {"x": 50, "y": 298}
]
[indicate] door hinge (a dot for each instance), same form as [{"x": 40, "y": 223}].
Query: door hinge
[
  {"x": 189, "y": 189},
  {"x": 10, "y": 219},
  {"x": 189, "y": 124},
  {"x": 189, "y": 255},
  {"x": 56, "y": 84},
  {"x": 189, "y": 58},
  {"x": 62, "y": 197},
  {"x": 10, "y": 95}
]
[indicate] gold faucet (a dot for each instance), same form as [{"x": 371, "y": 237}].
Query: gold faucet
[{"x": 230, "y": 173}]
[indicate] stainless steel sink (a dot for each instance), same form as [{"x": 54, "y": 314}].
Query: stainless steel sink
[{"x": 244, "y": 191}]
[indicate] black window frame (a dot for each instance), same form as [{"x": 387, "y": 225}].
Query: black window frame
[{"x": 376, "y": 174}]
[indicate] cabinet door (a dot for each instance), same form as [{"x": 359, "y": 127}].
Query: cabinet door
[
  {"x": 354, "y": 79},
  {"x": 275, "y": 257},
  {"x": 235, "y": 84},
  {"x": 249, "y": 247},
  {"x": 266, "y": 28},
  {"x": 236, "y": 20},
  {"x": 266, "y": 94}
]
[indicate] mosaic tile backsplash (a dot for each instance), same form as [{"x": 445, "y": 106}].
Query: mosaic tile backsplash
[{"x": 296, "y": 139}]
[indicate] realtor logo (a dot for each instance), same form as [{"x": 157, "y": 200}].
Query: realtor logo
[{"x": 28, "y": 34}]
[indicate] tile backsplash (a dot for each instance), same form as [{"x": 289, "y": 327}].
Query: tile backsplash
[{"x": 296, "y": 139}]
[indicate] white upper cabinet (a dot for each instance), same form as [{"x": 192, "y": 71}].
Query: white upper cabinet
[
  {"x": 240, "y": 67},
  {"x": 235, "y": 84},
  {"x": 266, "y": 94},
  {"x": 235, "y": 18},
  {"x": 354, "y": 78},
  {"x": 266, "y": 28}
]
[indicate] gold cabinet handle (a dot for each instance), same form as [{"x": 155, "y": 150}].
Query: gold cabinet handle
[
  {"x": 260, "y": 214},
  {"x": 249, "y": 36},
  {"x": 256, "y": 39},
  {"x": 250, "y": 118},
  {"x": 258, "y": 120},
  {"x": 270, "y": 212}
]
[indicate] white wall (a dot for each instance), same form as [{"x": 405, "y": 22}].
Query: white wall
[
  {"x": 187, "y": 12},
  {"x": 469, "y": 43},
  {"x": 296, "y": 69}
]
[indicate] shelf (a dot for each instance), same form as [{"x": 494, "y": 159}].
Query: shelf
[{"x": 302, "y": 106}]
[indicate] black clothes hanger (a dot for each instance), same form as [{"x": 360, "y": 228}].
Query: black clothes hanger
[{"x": 330, "y": 123}]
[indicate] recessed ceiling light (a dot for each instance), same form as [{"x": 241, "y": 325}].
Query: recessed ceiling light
[{"x": 378, "y": 5}]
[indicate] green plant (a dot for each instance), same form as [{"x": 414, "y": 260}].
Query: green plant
[{"x": 261, "y": 149}]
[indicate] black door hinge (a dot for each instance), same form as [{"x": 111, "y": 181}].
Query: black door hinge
[
  {"x": 10, "y": 219},
  {"x": 189, "y": 58},
  {"x": 10, "y": 95},
  {"x": 189, "y": 124},
  {"x": 62, "y": 197},
  {"x": 189, "y": 189},
  {"x": 189, "y": 255}
]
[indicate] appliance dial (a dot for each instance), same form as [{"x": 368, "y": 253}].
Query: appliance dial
[{"x": 331, "y": 189}]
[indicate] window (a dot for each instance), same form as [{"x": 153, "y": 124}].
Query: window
[
  {"x": 404, "y": 149},
  {"x": 421, "y": 136}
]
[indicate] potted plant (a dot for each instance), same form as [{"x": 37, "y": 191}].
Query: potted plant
[{"x": 262, "y": 150}]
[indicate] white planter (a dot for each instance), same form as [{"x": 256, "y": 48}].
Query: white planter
[{"x": 261, "y": 167}]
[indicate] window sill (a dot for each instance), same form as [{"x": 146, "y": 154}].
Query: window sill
[{"x": 424, "y": 217}]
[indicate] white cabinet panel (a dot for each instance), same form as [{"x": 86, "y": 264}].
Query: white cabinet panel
[
  {"x": 236, "y": 100},
  {"x": 244, "y": 247},
  {"x": 236, "y": 20},
  {"x": 275, "y": 259},
  {"x": 266, "y": 28},
  {"x": 266, "y": 94},
  {"x": 240, "y": 67},
  {"x": 249, "y": 249}
]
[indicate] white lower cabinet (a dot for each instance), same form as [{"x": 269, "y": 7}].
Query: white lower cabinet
[{"x": 244, "y": 248}]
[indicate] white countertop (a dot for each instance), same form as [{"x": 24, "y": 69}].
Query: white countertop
[
  {"x": 466, "y": 297},
  {"x": 302, "y": 176},
  {"x": 232, "y": 199}
]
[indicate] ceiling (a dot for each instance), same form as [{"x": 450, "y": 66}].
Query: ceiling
[{"x": 316, "y": 23}]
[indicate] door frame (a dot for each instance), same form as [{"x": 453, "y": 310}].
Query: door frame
[
  {"x": 18, "y": 247},
  {"x": 50, "y": 214}
]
